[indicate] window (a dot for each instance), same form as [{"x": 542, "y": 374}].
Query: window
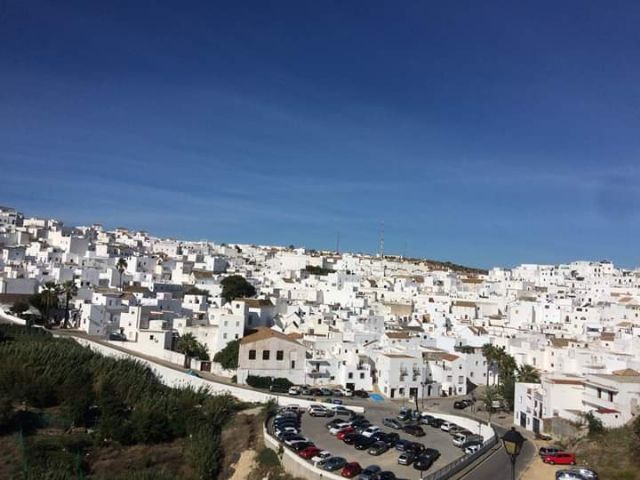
[
  {"x": 362, "y": 376},
  {"x": 265, "y": 354},
  {"x": 350, "y": 375},
  {"x": 280, "y": 355},
  {"x": 252, "y": 354},
  {"x": 293, "y": 364},
  {"x": 611, "y": 396}
]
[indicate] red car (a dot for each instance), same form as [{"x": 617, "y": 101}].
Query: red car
[
  {"x": 560, "y": 458},
  {"x": 344, "y": 431},
  {"x": 309, "y": 452},
  {"x": 351, "y": 469}
]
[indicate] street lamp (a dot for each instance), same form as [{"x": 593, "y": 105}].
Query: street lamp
[{"x": 512, "y": 441}]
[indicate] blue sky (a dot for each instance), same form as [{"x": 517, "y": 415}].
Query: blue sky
[{"x": 486, "y": 133}]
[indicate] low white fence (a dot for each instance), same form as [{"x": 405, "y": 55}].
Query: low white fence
[
  {"x": 11, "y": 318},
  {"x": 474, "y": 426},
  {"x": 179, "y": 379}
]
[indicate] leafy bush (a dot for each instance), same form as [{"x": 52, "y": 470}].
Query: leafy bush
[
  {"x": 258, "y": 382},
  {"x": 268, "y": 458},
  {"x": 228, "y": 356}
]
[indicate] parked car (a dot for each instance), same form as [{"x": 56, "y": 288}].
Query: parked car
[
  {"x": 294, "y": 391},
  {"x": 321, "y": 412},
  {"x": 316, "y": 392},
  {"x": 423, "y": 462},
  {"x": 437, "y": 422},
  {"x": 390, "y": 438},
  {"x": 415, "y": 447},
  {"x": 363, "y": 443},
  {"x": 340, "y": 410},
  {"x": 587, "y": 473},
  {"x": 415, "y": 430},
  {"x": 332, "y": 464},
  {"x": 360, "y": 423},
  {"x": 446, "y": 426},
  {"x": 560, "y": 458},
  {"x": 345, "y": 431},
  {"x": 300, "y": 446},
  {"x": 473, "y": 447},
  {"x": 459, "y": 439},
  {"x": 406, "y": 458},
  {"x": 351, "y": 469},
  {"x": 568, "y": 475},
  {"x": 401, "y": 445},
  {"x": 370, "y": 472},
  {"x": 309, "y": 452},
  {"x": 391, "y": 423},
  {"x": 369, "y": 431},
  {"x": 336, "y": 392},
  {"x": 471, "y": 443},
  {"x": 320, "y": 456},
  {"x": 386, "y": 475},
  {"x": 460, "y": 405},
  {"x": 282, "y": 430},
  {"x": 193, "y": 373},
  {"x": 332, "y": 423},
  {"x": 457, "y": 429},
  {"x": 426, "y": 419},
  {"x": 350, "y": 438},
  {"x": 361, "y": 393},
  {"x": 378, "y": 448},
  {"x": 338, "y": 427},
  {"x": 325, "y": 391},
  {"x": 295, "y": 438},
  {"x": 550, "y": 450},
  {"x": 431, "y": 452}
]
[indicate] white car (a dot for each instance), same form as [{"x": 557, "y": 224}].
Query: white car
[
  {"x": 294, "y": 391},
  {"x": 446, "y": 426},
  {"x": 471, "y": 449},
  {"x": 283, "y": 430},
  {"x": 459, "y": 439},
  {"x": 320, "y": 456},
  {"x": 339, "y": 426},
  {"x": 294, "y": 440},
  {"x": 367, "y": 432},
  {"x": 346, "y": 392}
]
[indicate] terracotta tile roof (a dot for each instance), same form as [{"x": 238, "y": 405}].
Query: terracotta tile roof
[
  {"x": 463, "y": 303},
  {"x": 256, "y": 302},
  {"x": 264, "y": 333},
  {"x": 627, "y": 372},
  {"x": 397, "y": 334},
  {"x": 449, "y": 357},
  {"x": 607, "y": 336}
]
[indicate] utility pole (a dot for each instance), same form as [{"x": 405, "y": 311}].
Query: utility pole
[
  {"x": 381, "y": 246},
  {"x": 338, "y": 244}
]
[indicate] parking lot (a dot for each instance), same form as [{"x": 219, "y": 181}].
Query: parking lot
[{"x": 315, "y": 429}]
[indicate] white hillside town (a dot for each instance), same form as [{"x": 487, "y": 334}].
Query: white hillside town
[{"x": 402, "y": 328}]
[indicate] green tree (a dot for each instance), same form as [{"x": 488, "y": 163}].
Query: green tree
[
  {"x": 191, "y": 348},
  {"x": 488, "y": 398},
  {"x": 121, "y": 266},
  {"x": 236, "y": 286},
  {"x": 228, "y": 356},
  {"x": 69, "y": 290},
  {"x": 50, "y": 300},
  {"x": 527, "y": 374},
  {"x": 6, "y": 413},
  {"x": 490, "y": 355},
  {"x": 594, "y": 424}
]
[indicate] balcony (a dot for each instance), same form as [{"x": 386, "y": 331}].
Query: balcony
[{"x": 318, "y": 374}]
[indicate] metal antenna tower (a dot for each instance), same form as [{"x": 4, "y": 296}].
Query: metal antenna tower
[
  {"x": 338, "y": 243},
  {"x": 381, "y": 240}
]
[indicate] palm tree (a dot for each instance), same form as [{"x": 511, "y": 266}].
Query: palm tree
[
  {"x": 121, "y": 265},
  {"x": 69, "y": 290},
  {"x": 528, "y": 374},
  {"x": 488, "y": 398},
  {"x": 50, "y": 299},
  {"x": 191, "y": 348},
  {"x": 489, "y": 352}
]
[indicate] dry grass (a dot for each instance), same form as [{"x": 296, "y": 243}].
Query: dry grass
[{"x": 613, "y": 454}]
